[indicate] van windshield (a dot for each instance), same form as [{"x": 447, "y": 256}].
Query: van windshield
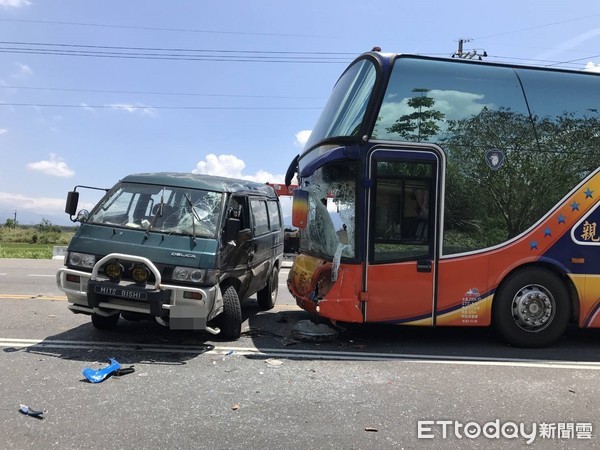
[{"x": 165, "y": 209}]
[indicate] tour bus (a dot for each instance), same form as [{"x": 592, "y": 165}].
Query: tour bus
[{"x": 448, "y": 192}]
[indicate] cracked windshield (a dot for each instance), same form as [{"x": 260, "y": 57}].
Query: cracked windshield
[
  {"x": 331, "y": 212},
  {"x": 166, "y": 209}
]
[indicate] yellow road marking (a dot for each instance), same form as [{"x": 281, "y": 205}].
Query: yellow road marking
[{"x": 30, "y": 297}]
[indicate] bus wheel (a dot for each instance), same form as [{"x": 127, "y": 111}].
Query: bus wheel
[
  {"x": 532, "y": 308},
  {"x": 105, "y": 323},
  {"x": 267, "y": 296},
  {"x": 230, "y": 320}
]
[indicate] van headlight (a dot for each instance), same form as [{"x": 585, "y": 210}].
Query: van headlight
[
  {"x": 188, "y": 274},
  {"x": 84, "y": 260}
]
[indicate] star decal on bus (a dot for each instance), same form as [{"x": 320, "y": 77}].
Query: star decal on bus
[
  {"x": 574, "y": 206},
  {"x": 533, "y": 245},
  {"x": 547, "y": 232},
  {"x": 561, "y": 219},
  {"x": 588, "y": 193}
]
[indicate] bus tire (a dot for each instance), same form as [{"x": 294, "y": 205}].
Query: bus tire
[
  {"x": 103, "y": 322},
  {"x": 267, "y": 296},
  {"x": 531, "y": 308},
  {"x": 230, "y": 320}
]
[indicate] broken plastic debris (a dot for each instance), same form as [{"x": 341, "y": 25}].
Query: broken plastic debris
[
  {"x": 273, "y": 362},
  {"x": 235, "y": 406},
  {"x": 371, "y": 429},
  {"x": 96, "y": 376},
  {"x": 24, "y": 409},
  {"x": 124, "y": 371},
  {"x": 305, "y": 330}
]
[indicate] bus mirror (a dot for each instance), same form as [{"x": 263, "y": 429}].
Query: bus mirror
[
  {"x": 71, "y": 205},
  {"x": 300, "y": 208}
]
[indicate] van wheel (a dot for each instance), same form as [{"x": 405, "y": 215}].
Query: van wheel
[
  {"x": 267, "y": 296},
  {"x": 105, "y": 323},
  {"x": 532, "y": 308},
  {"x": 230, "y": 320}
]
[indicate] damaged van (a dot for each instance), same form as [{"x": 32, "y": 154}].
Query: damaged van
[{"x": 180, "y": 248}]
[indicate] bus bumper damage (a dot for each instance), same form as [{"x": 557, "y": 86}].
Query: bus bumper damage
[{"x": 310, "y": 283}]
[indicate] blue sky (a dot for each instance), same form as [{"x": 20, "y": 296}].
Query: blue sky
[{"x": 92, "y": 91}]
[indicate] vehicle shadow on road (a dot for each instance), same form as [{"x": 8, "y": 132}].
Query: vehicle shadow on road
[
  {"x": 142, "y": 342},
  {"x": 274, "y": 329}
]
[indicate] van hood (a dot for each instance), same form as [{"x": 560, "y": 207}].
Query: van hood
[{"x": 159, "y": 248}]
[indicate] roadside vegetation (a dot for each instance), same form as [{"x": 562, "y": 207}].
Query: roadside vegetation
[{"x": 33, "y": 241}]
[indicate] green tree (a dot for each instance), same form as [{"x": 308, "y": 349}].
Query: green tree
[
  {"x": 421, "y": 124},
  {"x": 544, "y": 159}
]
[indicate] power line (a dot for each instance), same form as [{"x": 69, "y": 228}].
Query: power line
[
  {"x": 173, "y": 49},
  {"x": 177, "y": 54},
  {"x": 183, "y": 94},
  {"x": 148, "y": 107},
  {"x": 538, "y": 26},
  {"x": 131, "y": 27}
]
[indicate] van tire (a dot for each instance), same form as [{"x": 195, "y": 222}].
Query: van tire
[
  {"x": 532, "y": 308},
  {"x": 103, "y": 322},
  {"x": 230, "y": 320},
  {"x": 267, "y": 296}
]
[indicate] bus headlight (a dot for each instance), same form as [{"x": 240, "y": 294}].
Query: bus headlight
[{"x": 81, "y": 260}]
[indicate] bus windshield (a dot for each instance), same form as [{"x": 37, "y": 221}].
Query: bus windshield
[
  {"x": 345, "y": 110},
  {"x": 331, "y": 211},
  {"x": 157, "y": 208}
]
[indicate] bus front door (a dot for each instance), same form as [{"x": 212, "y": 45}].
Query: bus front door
[{"x": 402, "y": 216}]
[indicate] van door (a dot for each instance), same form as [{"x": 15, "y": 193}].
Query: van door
[
  {"x": 262, "y": 248},
  {"x": 403, "y": 211}
]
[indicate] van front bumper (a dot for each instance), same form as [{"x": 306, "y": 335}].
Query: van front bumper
[{"x": 179, "y": 307}]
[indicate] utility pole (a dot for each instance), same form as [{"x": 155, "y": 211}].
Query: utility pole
[
  {"x": 460, "y": 53},
  {"x": 15, "y": 221}
]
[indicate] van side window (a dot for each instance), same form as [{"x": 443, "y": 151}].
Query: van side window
[
  {"x": 261, "y": 216},
  {"x": 238, "y": 208},
  {"x": 274, "y": 217}
]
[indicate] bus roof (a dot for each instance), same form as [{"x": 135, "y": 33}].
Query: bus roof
[
  {"x": 201, "y": 181},
  {"x": 393, "y": 56}
]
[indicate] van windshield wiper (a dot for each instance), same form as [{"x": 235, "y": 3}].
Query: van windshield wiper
[
  {"x": 195, "y": 216},
  {"x": 158, "y": 214}
]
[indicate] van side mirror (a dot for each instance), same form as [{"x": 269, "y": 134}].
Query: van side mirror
[
  {"x": 232, "y": 229},
  {"x": 300, "y": 208},
  {"x": 72, "y": 201}
]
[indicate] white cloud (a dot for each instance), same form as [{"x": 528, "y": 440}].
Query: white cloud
[
  {"x": 40, "y": 205},
  {"x": 232, "y": 167},
  {"x": 87, "y": 107},
  {"x": 591, "y": 67},
  {"x": 55, "y": 167},
  {"x": 138, "y": 108},
  {"x": 3, "y": 130},
  {"x": 14, "y": 3},
  {"x": 301, "y": 137},
  {"x": 23, "y": 70}
]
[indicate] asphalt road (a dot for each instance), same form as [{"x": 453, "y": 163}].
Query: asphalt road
[{"x": 368, "y": 388}]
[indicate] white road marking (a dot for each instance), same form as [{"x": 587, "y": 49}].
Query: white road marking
[
  {"x": 309, "y": 354},
  {"x": 40, "y": 275}
]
